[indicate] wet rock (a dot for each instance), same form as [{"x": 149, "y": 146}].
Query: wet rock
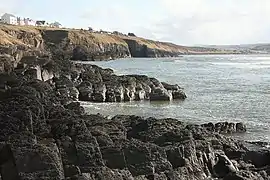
[
  {"x": 179, "y": 94},
  {"x": 240, "y": 127},
  {"x": 99, "y": 93},
  {"x": 225, "y": 127},
  {"x": 159, "y": 94}
]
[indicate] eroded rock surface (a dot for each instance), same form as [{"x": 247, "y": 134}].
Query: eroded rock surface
[
  {"x": 45, "y": 134},
  {"x": 42, "y": 138}
]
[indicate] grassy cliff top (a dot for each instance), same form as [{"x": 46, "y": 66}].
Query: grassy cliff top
[
  {"x": 17, "y": 35},
  {"x": 30, "y": 36}
]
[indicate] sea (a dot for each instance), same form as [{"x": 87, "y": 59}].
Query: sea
[{"x": 219, "y": 88}]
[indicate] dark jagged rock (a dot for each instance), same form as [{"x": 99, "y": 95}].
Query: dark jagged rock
[
  {"x": 99, "y": 93},
  {"x": 85, "y": 91},
  {"x": 159, "y": 94},
  {"x": 138, "y": 49},
  {"x": 6, "y": 63},
  {"x": 177, "y": 91},
  {"x": 92, "y": 83},
  {"x": 46, "y": 135},
  {"x": 223, "y": 166},
  {"x": 51, "y": 141},
  {"x": 226, "y": 127}
]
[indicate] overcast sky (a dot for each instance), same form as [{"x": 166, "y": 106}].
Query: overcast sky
[{"x": 187, "y": 22}]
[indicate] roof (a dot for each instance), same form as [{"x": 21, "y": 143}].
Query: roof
[
  {"x": 7, "y": 14},
  {"x": 56, "y": 24},
  {"x": 40, "y": 22}
]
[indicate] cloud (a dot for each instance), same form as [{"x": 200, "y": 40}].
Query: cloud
[
  {"x": 114, "y": 17},
  {"x": 214, "y": 22},
  {"x": 8, "y": 6},
  {"x": 185, "y": 22}
]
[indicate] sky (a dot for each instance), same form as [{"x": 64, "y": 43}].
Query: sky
[{"x": 185, "y": 22}]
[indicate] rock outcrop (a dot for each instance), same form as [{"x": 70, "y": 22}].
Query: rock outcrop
[
  {"x": 42, "y": 138},
  {"x": 102, "y": 85},
  {"x": 89, "y": 82}
]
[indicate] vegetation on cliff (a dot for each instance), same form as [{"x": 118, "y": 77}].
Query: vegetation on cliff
[{"x": 86, "y": 45}]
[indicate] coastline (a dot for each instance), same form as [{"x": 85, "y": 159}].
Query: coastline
[
  {"x": 46, "y": 134},
  {"x": 43, "y": 126},
  {"x": 89, "y": 46}
]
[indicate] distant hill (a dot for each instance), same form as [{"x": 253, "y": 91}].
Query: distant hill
[{"x": 261, "y": 48}]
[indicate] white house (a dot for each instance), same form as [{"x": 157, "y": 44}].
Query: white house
[
  {"x": 29, "y": 22},
  {"x": 20, "y": 21},
  {"x": 9, "y": 19},
  {"x": 55, "y": 25}
]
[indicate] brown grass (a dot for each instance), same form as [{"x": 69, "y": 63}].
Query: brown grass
[{"x": 12, "y": 35}]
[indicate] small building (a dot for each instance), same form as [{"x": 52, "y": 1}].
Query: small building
[
  {"x": 90, "y": 29},
  {"x": 29, "y": 22},
  {"x": 9, "y": 19},
  {"x": 40, "y": 23},
  {"x": 55, "y": 25},
  {"x": 20, "y": 21}
]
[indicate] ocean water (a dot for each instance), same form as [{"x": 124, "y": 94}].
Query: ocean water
[{"x": 233, "y": 88}]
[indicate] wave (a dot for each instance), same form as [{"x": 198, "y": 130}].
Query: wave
[{"x": 251, "y": 65}]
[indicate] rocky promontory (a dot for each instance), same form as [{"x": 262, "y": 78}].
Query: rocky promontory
[
  {"x": 46, "y": 134},
  {"x": 75, "y": 44}
]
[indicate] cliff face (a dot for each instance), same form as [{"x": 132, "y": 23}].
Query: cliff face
[
  {"x": 139, "y": 47},
  {"x": 73, "y": 44},
  {"x": 20, "y": 41},
  {"x": 83, "y": 45}
]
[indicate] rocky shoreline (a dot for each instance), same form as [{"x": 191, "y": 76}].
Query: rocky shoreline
[{"x": 46, "y": 134}]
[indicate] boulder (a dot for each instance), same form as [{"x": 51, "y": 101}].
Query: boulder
[
  {"x": 177, "y": 91},
  {"x": 241, "y": 128},
  {"x": 159, "y": 94},
  {"x": 179, "y": 94},
  {"x": 225, "y": 127}
]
